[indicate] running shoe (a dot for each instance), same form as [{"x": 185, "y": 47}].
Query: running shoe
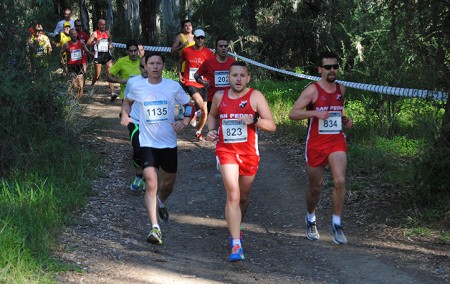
[
  {"x": 155, "y": 236},
  {"x": 113, "y": 96},
  {"x": 138, "y": 183},
  {"x": 193, "y": 121},
  {"x": 237, "y": 254},
  {"x": 199, "y": 136},
  {"x": 163, "y": 213},
  {"x": 311, "y": 230},
  {"x": 338, "y": 234}
]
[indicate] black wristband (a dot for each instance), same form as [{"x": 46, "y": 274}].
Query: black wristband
[{"x": 255, "y": 118}]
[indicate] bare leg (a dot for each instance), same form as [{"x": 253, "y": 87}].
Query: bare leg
[
  {"x": 245, "y": 185},
  {"x": 108, "y": 68},
  {"x": 230, "y": 176},
  {"x": 338, "y": 165},
  {"x": 167, "y": 185},
  {"x": 80, "y": 84},
  {"x": 203, "y": 117},
  {"x": 315, "y": 177},
  {"x": 151, "y": 188},
  {"x": 97, "y": 72}
]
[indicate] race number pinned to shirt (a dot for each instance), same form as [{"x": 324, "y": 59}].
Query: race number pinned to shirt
[
  {"x": 103, "y": 45},
  {"x": 191, "y": 74},
  {"x": 234, "y": 131},
  {"x": 75, "y": 54},
  {"x": 156, "y": 111},
  {"x": 221, "y": 78},
  {"x": 39, "y": 51},
  {"x": 331, "y": 125}
]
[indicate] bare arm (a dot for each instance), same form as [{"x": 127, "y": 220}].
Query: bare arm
[
  {"x": 92, "y": 40},
  {"x": 259, "y": 104},
  {"x": 308, "y": 96},
  {"x": 180, "y": 74},
  {"x": 198, "y": 79},
  {"x": 115, "y": 79},
  {"x": 86, "y": 49},
  {"x": 125, "y": 112},
  {"x": 177, "y": 45},
  {"x": 61, "y": 53},
  {"x": 213, "y": 117}
]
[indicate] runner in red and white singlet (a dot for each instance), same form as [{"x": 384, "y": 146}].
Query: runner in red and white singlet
[
  {"x": 322, "y": 103},
  {"x": 235, "y": 116}
]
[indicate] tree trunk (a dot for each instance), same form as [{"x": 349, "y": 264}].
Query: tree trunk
[
  {"x": 133, "y": 18},
  {"x": 148, "y": 10},
  {"x": 84, "y": 15},
  {"x": 109, "y": 15},
  {"x": 251, "y": 15},
  {"x": 170, "y": 18}
]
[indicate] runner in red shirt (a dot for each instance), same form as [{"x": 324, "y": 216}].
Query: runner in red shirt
[
  {"x": 215, "y": 71},
  {"x": 322, "y": 103},
  {"x": 83, "y": 37},
  {"x": 74, "y": 51},
  {"x": 193, "y": 57},
  {"x": 102, "y": 43},
  {"x": 236, "y": 115}
]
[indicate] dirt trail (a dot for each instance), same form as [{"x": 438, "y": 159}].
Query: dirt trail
[{"x": 108, "y": 241}]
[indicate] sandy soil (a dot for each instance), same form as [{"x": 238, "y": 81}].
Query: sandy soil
[{"x": 108, "y": 240}]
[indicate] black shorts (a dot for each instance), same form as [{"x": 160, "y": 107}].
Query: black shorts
[
  {"x": 192, "y": 90},
  {"x": 75, "y": 69},
  {"x": 166, "y": 158},
  {"x": 102, "y": 58},
  {"x": 133, "y": 130}
]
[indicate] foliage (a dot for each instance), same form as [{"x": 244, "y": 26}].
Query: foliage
[{"x": 44, "y": 174}]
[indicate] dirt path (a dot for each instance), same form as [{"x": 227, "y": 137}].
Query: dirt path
[{"x": 108, "y": 241}]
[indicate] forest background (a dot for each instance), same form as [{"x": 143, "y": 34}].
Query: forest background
[{"x": 402, "y": 142}]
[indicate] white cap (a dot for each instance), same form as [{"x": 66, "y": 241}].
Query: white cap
[{"x": 199, "y": 32}]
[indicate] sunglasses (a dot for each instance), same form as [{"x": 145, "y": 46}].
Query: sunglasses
[
  {"x": 200, "y": 37},
  {"x": 328, "y": 67},
  {"x": 39, "y": 30},
  {"x": 132, "y": 50}
]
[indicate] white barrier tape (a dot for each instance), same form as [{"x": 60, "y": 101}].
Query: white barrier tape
[{"x": 403, "y": 92}]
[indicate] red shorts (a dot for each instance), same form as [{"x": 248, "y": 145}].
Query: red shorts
[
  {"x": 248, "y": 164},
  {"x": 319, "y": 157}
]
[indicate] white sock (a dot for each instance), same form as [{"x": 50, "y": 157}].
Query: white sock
[
  {"x": 237, "y": 242},
  {"x": 336, "y": 220},
  {"x": 311, "y": 217},
  {"x": 156, "y": 226}
]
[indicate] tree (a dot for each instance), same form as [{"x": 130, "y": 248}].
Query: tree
[
  {"x": 148, "y": 10},
  {"x": 84, "y": 15}
]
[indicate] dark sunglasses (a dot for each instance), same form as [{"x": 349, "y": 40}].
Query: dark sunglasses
[
  {"x": 142, "y": 66},
  {"x": 200, "y": 37},
  {"x": 39, "y": 30},
  {"x": 328, "y": 67}
]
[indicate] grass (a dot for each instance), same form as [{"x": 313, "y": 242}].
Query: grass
[{"x": 37, "y": 200}]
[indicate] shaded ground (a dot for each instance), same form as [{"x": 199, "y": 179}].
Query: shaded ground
[{"x": 108, "y": 241}]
